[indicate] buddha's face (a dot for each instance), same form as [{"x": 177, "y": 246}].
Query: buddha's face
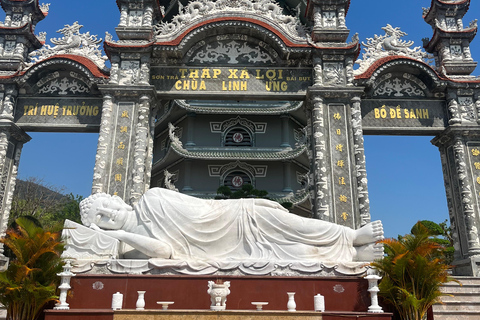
[{"x": 109, "y": 213}]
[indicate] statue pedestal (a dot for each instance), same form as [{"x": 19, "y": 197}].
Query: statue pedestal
[{"x": 190, "y": 292}]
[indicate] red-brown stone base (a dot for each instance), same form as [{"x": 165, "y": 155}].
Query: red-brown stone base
[{"x": 91, "y": 295}]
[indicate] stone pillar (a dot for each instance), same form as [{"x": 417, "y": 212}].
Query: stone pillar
[
  {"x": 285, "y": 131},
  {"x": 12, "y": 139},
  {"x": 124, "y": 151},
  {"x": 460, "y": 155},
  {"x": 103, "y": 147},
  {"x": 187, "y": 175},
  {"x": 143, "y": 137},
  {"x": 287, "y": 176},
  {"x": 338, "y": 159},
  {"x": 361, "y": 169},
  {"x": 319, "y": 157},
  {"x": 190, "y": 129}
]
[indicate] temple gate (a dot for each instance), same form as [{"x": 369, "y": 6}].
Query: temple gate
[{"x": 230, "y": 92}]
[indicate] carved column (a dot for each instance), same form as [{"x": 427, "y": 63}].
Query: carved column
[
  {"x": 143, "y": 139},
  {"x": 319, "y": 155},
  {"x": 362, "y": 188},
  {"x": 12, "y": 139},
  {"x": 103, "y": 147},
  {"x": 124, "y": 151},
  {"x": 460, "y": 155}
]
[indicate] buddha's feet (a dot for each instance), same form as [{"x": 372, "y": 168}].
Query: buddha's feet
[
  {"x": 369, "y": 252},
  {"x": 368, "y": 234}
]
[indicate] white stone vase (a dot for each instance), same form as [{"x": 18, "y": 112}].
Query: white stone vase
[
  {"x": 218, "y": 295},
  {"x": 291, "y": 305},
  {"x": 117, "y": 301},
  {"x": 141, "y": 300},
  {"x": 319, "y": 303}
]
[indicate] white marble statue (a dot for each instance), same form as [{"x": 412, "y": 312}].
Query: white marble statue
[{"x": 170, "y": 225}]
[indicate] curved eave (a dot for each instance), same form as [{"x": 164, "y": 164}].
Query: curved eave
[
  {"x": 26, "y": 30},
  {"x": 377, "y": 64},
  {"x": 288, "y": 42},
  {"x": 175, "y": 153},
  {"x": 296, "y": 199},
  {"x": 468, "y": 33},
  {"x": 475, "y": 80},
  {"x": 261, "y": 111},
  {"x": 245, "y": 155},
  {"x": 348, "y": 46},
  {"x": 108, "y": 47},
  {"x": 38, "y": 11},
  {"x": 462, "y": 3},
  {"x": 87, "y": 63}
]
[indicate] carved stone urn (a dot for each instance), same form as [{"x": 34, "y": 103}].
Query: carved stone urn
[{"x": 218, "y": 292}]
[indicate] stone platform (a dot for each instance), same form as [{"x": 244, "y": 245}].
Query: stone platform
[
  {"x": 209, "y": 315},
  {"x": 91, "y": 297}
]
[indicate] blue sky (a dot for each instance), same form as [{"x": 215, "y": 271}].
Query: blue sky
[{"x": 404, "y": 173}]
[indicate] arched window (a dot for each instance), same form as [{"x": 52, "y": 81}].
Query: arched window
[
  {"x": 238, "y": 137},
  {"x": 236, "y": 179}
]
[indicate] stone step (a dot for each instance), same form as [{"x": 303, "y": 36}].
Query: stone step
[
  {"x": 465, "y": 281},
  {"x": 465, "y": 297},
  {"x": 455, "y": 289},
  {"x": 456, "y": 315},
  {"x": 457, "y": 306}
]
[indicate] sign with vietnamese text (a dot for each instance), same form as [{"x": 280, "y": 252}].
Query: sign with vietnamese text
[
  {"x": 232, "y": 82},
  {"x": 58, "y": 114}
]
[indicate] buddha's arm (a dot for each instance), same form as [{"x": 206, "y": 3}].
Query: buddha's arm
[{"x": 151, "y": 247}]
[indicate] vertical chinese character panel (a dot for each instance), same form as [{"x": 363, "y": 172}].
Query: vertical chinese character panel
[
  {"x": 341, "y": 165},
  {"x": 123, "y": 137}
]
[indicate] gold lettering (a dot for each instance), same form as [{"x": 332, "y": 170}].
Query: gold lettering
[
  {"x": 425, "y": 113},
  {"x": 178, "y": 85},
  {"x": 183, "y": 72},
  {"x": 193, "y": 74},
  {"x": 118, "y": 177},
  {"x": 124, "y": 114},
  {"x": 233, "y": 74},
  {"x": 258, "y": 74},
  {"x": 243, "y": 86},
  {"x": 418, "y": 113},
  {"x": 244, "y": 75},
  {"x": 123, "y": 129},
  {"x": 205, "y": 74},
  {"x": 216, "y": 73},
  {"x": 271, "y": 74},
  {"x": 342, "y": 198}
]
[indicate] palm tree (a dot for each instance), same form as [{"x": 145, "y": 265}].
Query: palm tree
[
  {"x": 413, "y": 271},
  {"x": 31, "y": 280}
]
